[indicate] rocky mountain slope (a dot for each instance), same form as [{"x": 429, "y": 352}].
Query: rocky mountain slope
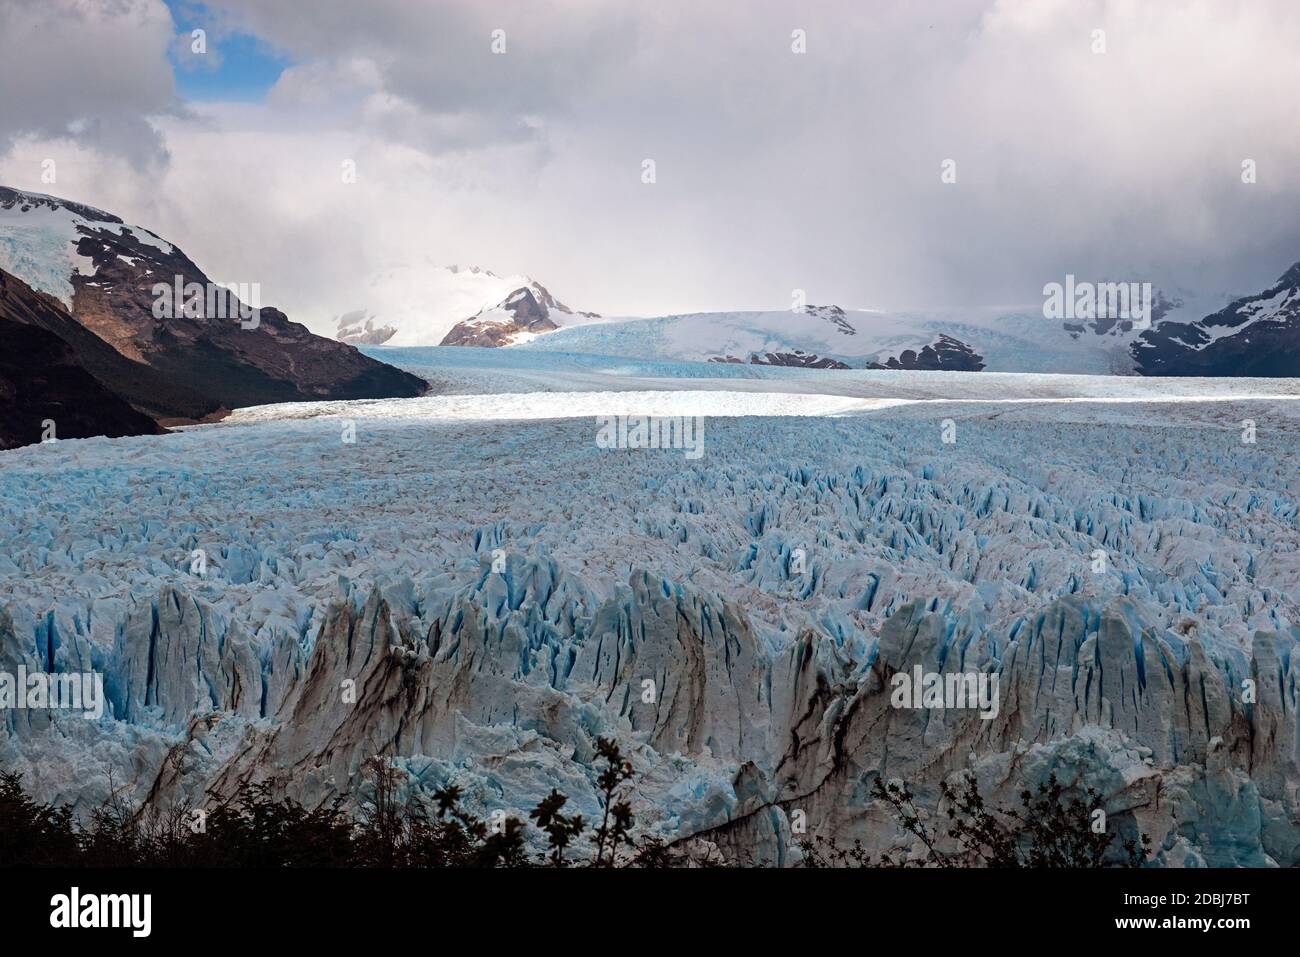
[
  {"x": 46, "y": 392},
  {"x": 108, "y": 274},
  {"x": 143, "y": 386},
  {"x": 1253, "y": 336},
  {"x": 798, "y": 359},
  {"x": 944, "y": 354}
]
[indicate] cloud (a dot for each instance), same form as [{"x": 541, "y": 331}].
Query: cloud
[
  {"x": 89, "y": 71},
  {"x": 775, "y": 170}
]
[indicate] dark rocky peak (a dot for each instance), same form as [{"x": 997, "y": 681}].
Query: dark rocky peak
[
  {"x": 795, "y": 359},
  {"x": 834, "y": 315},
  {"x": 543, "y": 296},
  {"x": 524, "y": 307},
  {"x": 944, "y": 354},
  {"x": 23, "y": 201}
]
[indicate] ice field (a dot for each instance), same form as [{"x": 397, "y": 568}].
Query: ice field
[{"x": 1122, "y": 552}]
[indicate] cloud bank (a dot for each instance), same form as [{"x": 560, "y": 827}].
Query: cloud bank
[{"x": 1100, "y": 139}]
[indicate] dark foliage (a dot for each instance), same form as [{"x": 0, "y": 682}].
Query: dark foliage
[
  {"x": 1047, "y": 830},
  {"x": 256, "y": 829}
]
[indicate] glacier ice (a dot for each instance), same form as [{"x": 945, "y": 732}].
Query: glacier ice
[{"x": 500, "y": 593}]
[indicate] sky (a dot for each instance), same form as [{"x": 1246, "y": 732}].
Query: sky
[{"x": 892, "y": 155}]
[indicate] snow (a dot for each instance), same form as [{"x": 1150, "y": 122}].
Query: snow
[
  {"x": 39, "y": 245},
  {"x": 40, "y": 248},
  {"x": 469, "y": 370},
  {"x": 149, "y": 239},
  {"x": 1257, "y": 310},
  {"x": 1009, "y": 340},
  {"x": 525, "y": 406}
]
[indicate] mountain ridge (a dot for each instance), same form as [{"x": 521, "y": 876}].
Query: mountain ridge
[
  {"x": 1256, "y": 335},
  {"x": 109, "y": 277}
]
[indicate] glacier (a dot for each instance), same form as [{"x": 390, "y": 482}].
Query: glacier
[
  {"x": 1009, "y": 340},
  {"x": 500, "y": 592}
]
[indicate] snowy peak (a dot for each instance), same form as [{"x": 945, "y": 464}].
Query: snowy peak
[
  {"x": 420, "y": 303},
  {"x": 523, "y": 315},
  {"x": 358, "y": 328},
  {"x": 1291, "y": 277},
  {"x": 50, "y": 242},
  {"x": 524, "y": 307},
  {"x": 24, "y": 202},
  {"x": 531, "y": 302},
  {"x": 541, "y": 295}
]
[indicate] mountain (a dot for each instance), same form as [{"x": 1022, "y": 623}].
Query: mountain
[
  {"x": 945, "y": 353},
  {"x": 827, "y": 336},
  {"x": 141, "y": 385},
  {"x": 519, "y": 315},
  {"x": 451, "y": 306},
  {"x": 1253, "y": 336},
  {"x": 525, "y": 314},
  {"x": 207, "y": 352},
  {"x": 44, "y": 387},
  {"x": 421, "y": 303}
]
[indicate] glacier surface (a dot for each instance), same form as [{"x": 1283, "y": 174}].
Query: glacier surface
[{"x": 501, "y": 592}]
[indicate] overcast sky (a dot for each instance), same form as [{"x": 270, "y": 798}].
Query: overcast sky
[{"x": 775, "y": 170}]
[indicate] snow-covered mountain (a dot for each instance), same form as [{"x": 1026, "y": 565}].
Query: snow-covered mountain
[
  {"x": 421, "y": 303},
  {"x": 424, "y": 304},
  {"x": 41, "y": 241},
  {"x": 528, "y": 312},
  {"x": 204, "y": 351},
  {"x": 1255, "y": 335},
  {"x": 830, "y": 337}
]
